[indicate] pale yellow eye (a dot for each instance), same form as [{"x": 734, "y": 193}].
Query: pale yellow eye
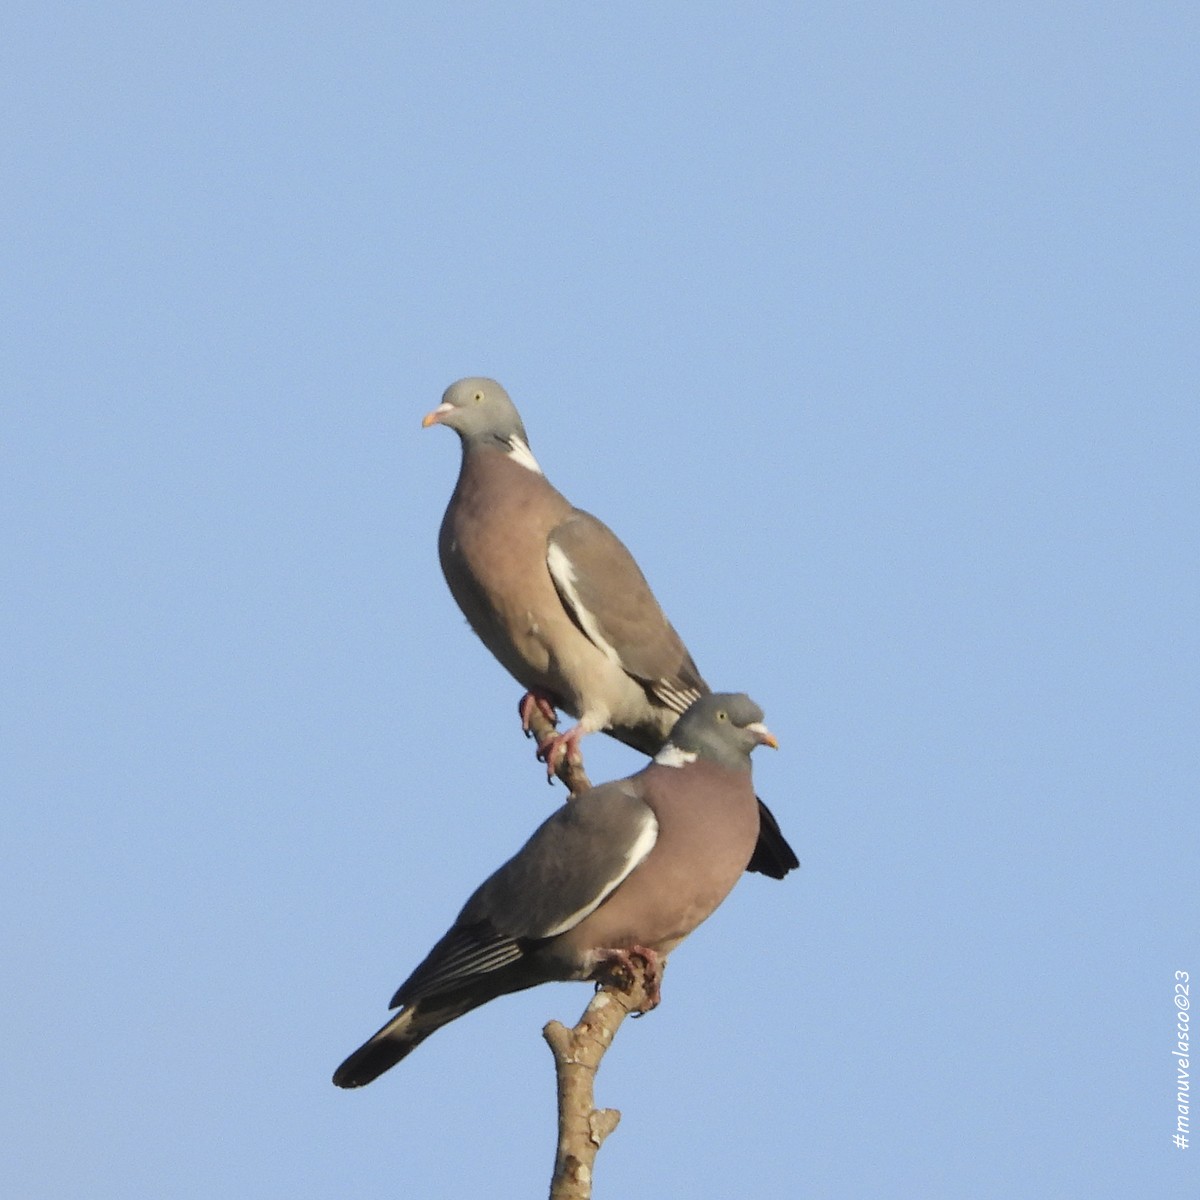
[
  {"x": 722, "y": 715},
  {"x": 478, "y": 396}
]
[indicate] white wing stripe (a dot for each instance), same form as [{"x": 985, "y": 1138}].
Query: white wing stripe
[
  {"x": 639, "y": 848},
  {"x": 563, "y": 574}
]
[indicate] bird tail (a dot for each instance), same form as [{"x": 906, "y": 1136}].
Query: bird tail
[
  {"x": 772, "y": 855},
  {"x": 395, "y": 1041}
]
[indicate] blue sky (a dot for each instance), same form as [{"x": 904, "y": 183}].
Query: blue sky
[{"x": 872, "y": 331}]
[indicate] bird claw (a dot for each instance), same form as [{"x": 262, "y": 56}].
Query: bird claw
[
  {"x": 619, "y": 968},
  {"x": 559, "y": 748},
  {"x": 533, "y": 702}
]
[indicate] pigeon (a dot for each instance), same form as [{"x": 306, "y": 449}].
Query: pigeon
[
  {"x": 621, "y": 873},
  {"x": 558, "y": 599}
]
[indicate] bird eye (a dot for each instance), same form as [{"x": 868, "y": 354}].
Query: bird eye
[
  {"x": 722, "y": 715},
  {"x": 477, "y": 397}
]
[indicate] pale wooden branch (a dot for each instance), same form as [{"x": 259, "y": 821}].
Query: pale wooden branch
[
  {"x": 577, "y": 1052},
  {"x": 582, "y": 1127},
  {"x": 570, "y": 770}
]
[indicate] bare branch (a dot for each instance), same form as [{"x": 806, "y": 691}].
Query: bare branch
[
  {"x": 570, "y": 770},
  {"x": 577, "y": 1052},
  {"x": 582, "y": 1127}
]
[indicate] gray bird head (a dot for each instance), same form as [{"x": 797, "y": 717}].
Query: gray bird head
[
  {"x": 479, "y": 411},
  {"x": 724, "y": 727}
]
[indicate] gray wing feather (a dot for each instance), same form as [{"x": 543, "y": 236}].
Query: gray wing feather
[
  {"x": 573, "y": 862},
  {"x": 604, "y": 590}
]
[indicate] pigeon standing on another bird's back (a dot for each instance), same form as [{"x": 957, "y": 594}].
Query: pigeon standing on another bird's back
[{"x": 558, "y": 599}]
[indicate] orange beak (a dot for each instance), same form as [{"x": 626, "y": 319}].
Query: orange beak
[
  {"x": 764, "y": 735},
  {"x": 434, "y": 418}
]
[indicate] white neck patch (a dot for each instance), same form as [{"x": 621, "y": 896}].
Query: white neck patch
[
  {"x": 671, "y": 756},
  {"x": 520, "y": 452}
]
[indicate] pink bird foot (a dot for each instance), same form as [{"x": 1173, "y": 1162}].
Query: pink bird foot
[
  {"x": 619, "y": 967},
  {"x": 560, "y": 748},
  {"x": 533, "y": 702}
]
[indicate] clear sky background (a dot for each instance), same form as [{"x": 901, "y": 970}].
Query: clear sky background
[{"x": 872, "y": 329}]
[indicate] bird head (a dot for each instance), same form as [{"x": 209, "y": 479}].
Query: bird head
[
  {"x": 724, "y": 727},
  {"x": 478, "y": 410}
]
